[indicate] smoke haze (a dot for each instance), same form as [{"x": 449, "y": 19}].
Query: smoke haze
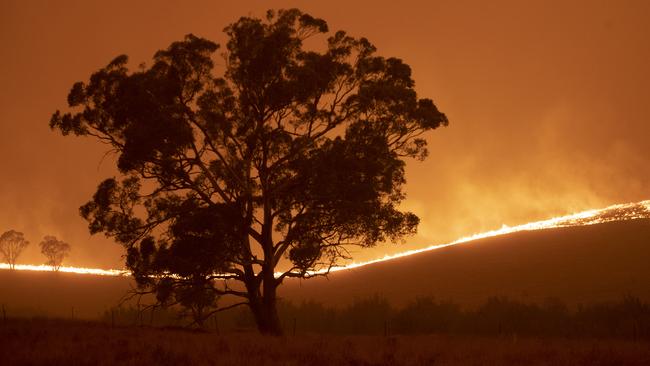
[{"x": 547, "y": 102}]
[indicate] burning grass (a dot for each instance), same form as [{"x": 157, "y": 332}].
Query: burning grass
[{"x": 61, "y": 342}]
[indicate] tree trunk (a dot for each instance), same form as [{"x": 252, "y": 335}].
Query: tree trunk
[
  {"x": 266, "y": 314},
  {"x": 268, "y": 321}
]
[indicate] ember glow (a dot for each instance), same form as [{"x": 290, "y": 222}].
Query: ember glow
[
  {"x": 79, "y": 270},
  {"x": 619, "y": 212}
]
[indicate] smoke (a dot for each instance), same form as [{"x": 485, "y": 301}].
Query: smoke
[{"x": 547, "y": 105}]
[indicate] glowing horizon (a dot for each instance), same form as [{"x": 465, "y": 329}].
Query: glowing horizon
[
  {"x": 583, "y": 218},
  {"x": 617, "y": 212},
  {"x": 66, "y": 269}
]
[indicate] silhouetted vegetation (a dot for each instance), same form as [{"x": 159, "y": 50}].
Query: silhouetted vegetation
[
  {"x": 12, "y": 243},
  {"x": 55, "y": 251},
  {"x": 132, "y": 315},
  {"x": 292, "y": 154},
  {"x": 628, "y": 318}
]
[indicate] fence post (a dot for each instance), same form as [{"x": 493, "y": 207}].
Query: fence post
[
  {"x": 4, "y": 314},
  {"x": 112, "y": 318},
  {"x": 139, "y": 316},
  {"x": 72, "y": 313},
  {"x": 294, "y": 326},
  {"x": 385, "y": 327}
]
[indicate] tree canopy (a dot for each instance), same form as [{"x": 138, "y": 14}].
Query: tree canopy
[
  {"x": 12, "y": 244},
  {"x": 55, "y": 251},
  {"x": 286, "y": 153}
]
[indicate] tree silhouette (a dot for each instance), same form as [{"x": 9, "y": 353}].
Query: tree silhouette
[
  {"x": 55, "y": 250},
  {"x": 12, "y": 244},
  {"x": 283, "y": 162}
]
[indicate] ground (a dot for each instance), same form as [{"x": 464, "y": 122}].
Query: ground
[{"x": 67, "y": 342}]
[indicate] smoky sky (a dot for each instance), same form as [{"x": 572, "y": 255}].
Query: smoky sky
[{"x": 548, "y": 103}]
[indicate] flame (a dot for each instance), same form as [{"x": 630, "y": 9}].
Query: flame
[
  {"x": 619, "y": 212},
  {"x": 79, "y": 270}
]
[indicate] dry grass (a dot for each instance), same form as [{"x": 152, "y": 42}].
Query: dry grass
[{"x": 59, "y": 342}]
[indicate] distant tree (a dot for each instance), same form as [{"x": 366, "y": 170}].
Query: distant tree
[
  {"x": 55, "y": 250},
  {"x": 290, "y": 157},
  {"x": 12, "y": 244}
]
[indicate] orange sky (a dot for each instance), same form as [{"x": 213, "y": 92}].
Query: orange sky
[{"x": 548, "y": 104}]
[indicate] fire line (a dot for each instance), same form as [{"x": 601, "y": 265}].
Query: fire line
[{"x": 618, "y": 212}]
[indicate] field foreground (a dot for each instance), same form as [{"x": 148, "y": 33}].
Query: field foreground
[{"x": 62, "y": 342}]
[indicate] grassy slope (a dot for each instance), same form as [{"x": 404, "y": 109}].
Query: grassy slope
[
  {"x": 52, "y": 342},
  {"x": 55, "y": 294},
  {"x": 580, "y": 264}
]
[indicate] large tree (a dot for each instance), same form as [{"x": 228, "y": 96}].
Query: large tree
[
  {"x": 280, "y": 163},
  {"x": 12, "y": 243}
]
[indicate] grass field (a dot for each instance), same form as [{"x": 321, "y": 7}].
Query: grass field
[{"x": 67, "y": 342}]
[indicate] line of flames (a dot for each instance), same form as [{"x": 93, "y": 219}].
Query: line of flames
[{"x": 589, "y": 217}]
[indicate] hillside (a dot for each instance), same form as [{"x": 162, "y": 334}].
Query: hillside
[
  {"x": 585, "y": 264},
  {"x": 576, "y": 264},
  {"x": 55, "y": 294}
]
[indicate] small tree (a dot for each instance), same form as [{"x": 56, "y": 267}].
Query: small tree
[
  {"x": 55, "y": 250},
  {"x": 12, "y": 244}
]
